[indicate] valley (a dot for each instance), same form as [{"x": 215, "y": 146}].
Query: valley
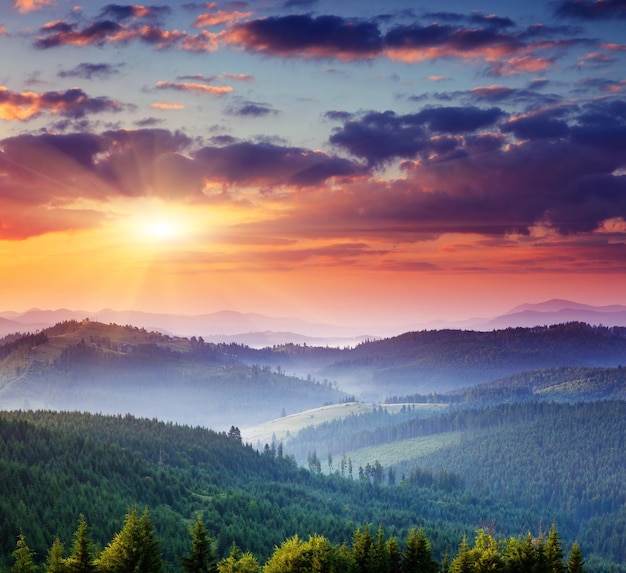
[{"x": 467, "y": 430}]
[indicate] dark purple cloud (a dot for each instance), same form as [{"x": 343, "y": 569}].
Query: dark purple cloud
[
  {"x": 251, "y": 109},
  {"x": 300, "y": 3},
  {"x": 455, "y": 38},
  {"x": 88, "y": 71},
  {"x": 456, "y": 120},
  {"x": 121, "y": 12},
  {"x": 65, "y": 33},
  {"x": 474, "y": 18},
  {"x": 101, "y": 32},
  {"x": 592, "y": 9},
  {"x": 381, "y": 137},
  {"x": 540, "y": 125},
  {"x": 269, "y": 164},
  {"x": 321, "y": 36}
]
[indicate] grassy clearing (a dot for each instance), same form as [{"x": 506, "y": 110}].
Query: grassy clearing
[
  {"x": 282, "y": 428},
  {"x": 401, "y": 451}
]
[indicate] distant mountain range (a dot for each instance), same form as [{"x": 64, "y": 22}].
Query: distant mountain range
[
  {"x": 258, "y": 330},
  {"x": 252, "y": 329}
]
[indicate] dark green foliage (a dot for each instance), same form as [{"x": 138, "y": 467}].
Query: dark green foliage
[
  {"x": 575, "y": 562},
  {"x": 201, "y": 558},
  {"x": 53, "y": 466},
  {"x": 417, "y": 556},
  {"x": 81, "y": 559},
  {"x": 566, "y": 384}
]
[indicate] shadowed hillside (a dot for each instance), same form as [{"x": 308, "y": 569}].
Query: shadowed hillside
[{"x": 117, "y": 369}]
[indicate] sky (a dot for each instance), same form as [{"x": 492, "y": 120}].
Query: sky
[{"x": 353, "y": 162}]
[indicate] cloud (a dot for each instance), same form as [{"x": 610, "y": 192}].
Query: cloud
[
  {"x": 167, "y": 105},
  {"x": 148, "y": 122},
  {"x": 194, "y": 88},
  {"x": 489, "y": 20},
  {"x": 539, "y": 125},
  {"x": 592, "y": 9},
  {"x": 73, "y": 103},
  {"x": 45, "y": 171},
  {"x": 121, "y": 12},
  {"x": 24, "y": 6},
  {"x": 89, "y": 71},
  {"x": 101, "y": 32},
  {"x": 462, "y": 170},
  {"x": 308, "y": 36},
  {"x": 251, "y": 109},
  {"x": 268, "y": 164},
  {"x": 217, "y": 77},
  {"x": 483, "y": 38},
  {"x": 382, "y": 137},
  {"x": 220, "y": 18}
]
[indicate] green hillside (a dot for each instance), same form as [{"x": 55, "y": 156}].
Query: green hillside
[
  {"x": 563, "y": 384},
  {"x": 55, "y": 466},
  {"x": 557, "y": 459}
]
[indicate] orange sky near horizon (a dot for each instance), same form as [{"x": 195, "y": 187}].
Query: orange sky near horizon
[{"x": 331, "y": 164}]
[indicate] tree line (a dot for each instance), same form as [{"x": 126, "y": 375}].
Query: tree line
[{"x": 136, "y": 549}]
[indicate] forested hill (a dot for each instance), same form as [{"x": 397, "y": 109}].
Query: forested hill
[
  {"x": 116, "y": 369},
  {"x": 55, "y": 466},
  {"x": 566, "y": 460},
  {"x": 557, "y": 384},
  {"x": 97, "y": 367},
  {"x": 442, "y": 360}
]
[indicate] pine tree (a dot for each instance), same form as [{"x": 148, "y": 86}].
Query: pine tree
[
  {"x": 363, "y": 549},
  {"x": 393, "y": 555},
  {"x": 134, "y": 549},
  {"x": 380, "y": 555},
  {"x": 238, "y": 562},
  {"x": 554, "y": 551},
  {"x": 201, "y": 558},
  {"x": 56, "y": 563},
  {"x": 463, "y": 562},
  {"x": 417, "y": 556},
  {"x": 81, "y": 558},
  {"x": 486, "y": 554},
  {"x": 575, "y": 563},
  {"x": 24, "y": 557},
  {"x": 150, "y": 560}
]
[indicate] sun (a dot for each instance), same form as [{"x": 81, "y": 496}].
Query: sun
[{"x": 162, "y": 230}]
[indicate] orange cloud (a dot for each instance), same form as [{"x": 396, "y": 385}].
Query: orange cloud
[
  {"x": 202, "y": 42},
  {"x": 72, "y": 103},
  {"x": 18, "y": 106},
  {"x": 163, "y": 105},
  {"x": 195, "y": 87},
  {"x": 24, "y": 6},
  {"x": 219, "y": 18},
  {"x": 527, "y": 64}
]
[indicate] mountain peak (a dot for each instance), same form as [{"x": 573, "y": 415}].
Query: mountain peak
[{"x": 552, "y": 305}]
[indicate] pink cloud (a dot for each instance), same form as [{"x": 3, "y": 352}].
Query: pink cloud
[
  {"x": 195, "y": 87},
  {"x": 24, "y": 6},
  {"x": 220, "y": 18}
]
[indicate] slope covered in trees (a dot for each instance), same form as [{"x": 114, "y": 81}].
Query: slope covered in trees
[
  {"x": 563, "y": 460},
  {"x": 136, "y": 548},
  {"x": 555, "y": 384},
  {"x": 116, "y": 369},
  {"x": 56, "y": 466}
]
